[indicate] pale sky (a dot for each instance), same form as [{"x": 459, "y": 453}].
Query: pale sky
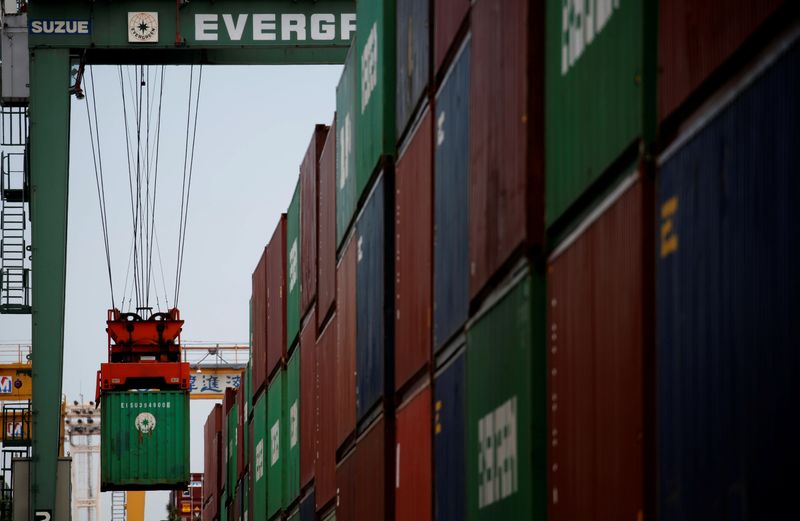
[{"x": 254, "y": 126}]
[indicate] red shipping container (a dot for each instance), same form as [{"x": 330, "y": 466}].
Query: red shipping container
[
  {"x": 506, "y": 136},
  {"x": 414, "y": 483},
  {"x": 371, "y": 472},
  {"x": 346, "y": 488},
  {"x": 258, "y": 309},
  {"x": 326, "y": 242},
  {"x": 276, "y": 297},
  {"x": 692, "y": 45},
  {"x": 309, "y": 185},
  {"x": 346, "y": 344},
  {"x": 240, "y": 461},
  {"x": 308, "y": 392},
  {"x": 598, "y": 335},
  {"x": 227, "y": 401},
  {"x": 448, "y": 17},
  {"x": 413, "y": 254},
  {"x": 211, "y": 465},
  {"x": 325, "y": 465}
]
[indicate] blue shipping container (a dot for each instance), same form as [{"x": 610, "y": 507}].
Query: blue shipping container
[
  {"x": 449, "y": 442},
  {"x": 413, "y": 64},
  {"x": 451, "y": 208},
  {"x": 728, "y": 291},
  {"x": 372, "y": 346},
  {"x": 307, "y": 507}
]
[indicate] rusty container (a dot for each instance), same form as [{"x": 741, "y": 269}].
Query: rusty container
[
  {"x": 276, "y": 297},
  {"x": 373, "y": 467},
  {"x": 326, "y": 240},
  {"x": 413, "y": 480},
  {"x": 259, "y": 320},
  {"x": 346, "y": 488},
  {"x": 346, "y": 344},
  {"x": 448, "y": 16},
  {"x": 309, "y": 188}
]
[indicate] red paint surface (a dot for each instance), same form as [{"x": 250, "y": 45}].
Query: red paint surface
[
  {"x": 325, "y": 464},
  {"x": 448, "y": 17},
  {"x": 346, "y": 488},
  {"x": 276, "y": 297},
  {"x": 346, "y": 344},
  {"x": 326, "y": 241},
  {"x": 414, "y": 483},
  {"x": 309, "y": 187},
  {"x": 258, "y": 305},
  {"x": 371, "y": 458}
]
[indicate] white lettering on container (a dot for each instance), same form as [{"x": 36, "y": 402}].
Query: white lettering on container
[
  {"x": 323, "y": 27},
  {"x": 369, "y": 67},
  {"x": 275, "y": 451},
  {"x": 293, "y": 265},
  {"x": 260, "y": 459},
  {"x": 345, "y": 147},
  {"x": 497, "y": 454},
  {"x": 581, "y": 21},
  {"x": 263, "y": 27},
  {"x": 293, "y": 425},
  {"x": 440, "y": 129}
]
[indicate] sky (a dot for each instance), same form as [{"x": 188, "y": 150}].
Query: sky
[{"x": 253, "y": 129}]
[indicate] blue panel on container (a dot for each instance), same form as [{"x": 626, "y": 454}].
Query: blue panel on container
[
  {"x": 413, "y": 65},
  {"x": 449, "y": 443},
  {"x": 451, "y": 208},
  {"x": 307, "y": 508},
  {"x": 728, "y": 292},
  {"x": 370, "y": 293}
]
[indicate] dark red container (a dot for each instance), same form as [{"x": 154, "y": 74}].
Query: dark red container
[
  {"x": 598, "y": 338},
  {"x": 373, "y": 500},
  {"x": 227, "y": 401},
  {"x": 308, "y": 398},
  {"x": 326, "y": 241},
  {"x": 309, "y": 184},
  {"x": 276, "y": 297},
  {"x": 413, "y": 254},
  {"x": 212, "y": 469},
  {"x": 413, "y": 482},
  {"x": 325, "y": 464},
  {"x": 448, "y": 17},
  {"x": 346, "y": 488},
  {"x": 241, "y": 464},
  {"x": 506, "y": 135},
  {"x": 696, "y": 37},
  {"x": 346, "y": 344},
  {"x": 258, "y": 309}
]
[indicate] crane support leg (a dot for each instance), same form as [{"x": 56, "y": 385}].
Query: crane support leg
[{"x": 49, "y": 163}]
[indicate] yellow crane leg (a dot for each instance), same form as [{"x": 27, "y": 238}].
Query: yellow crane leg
[{"x": 134, "y": 506}]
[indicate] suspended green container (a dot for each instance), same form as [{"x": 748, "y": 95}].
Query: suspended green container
[
  {"x": 375, "y": 109},
  {"x": 276, "y": 454},
  {"x": 144, "y": 440},
  {"x": 594, "y": 92},
  {"x": 293, "y": 269},
  {"x": 230, "y": 441},
  {"x": 506, "y": 387},
  {"x": 291, "y": 421},
  {"x": 259, "y": 463},
  {"x": 346, "y": 146}
]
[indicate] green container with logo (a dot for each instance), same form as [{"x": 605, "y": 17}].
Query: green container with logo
[
  {"x": 506, "y": 388},
  {"x": 259, "y": 463},
  {"x": 291, "y": 422},
  {"x": 275, "y": 456},
  {"x": 144, "y": 440},
  {"x": 375, "y": 105},
  {"x": 293, "y": 269},
  {"x": 346, "y": 101},
  {"x": 595, "y": 92}
]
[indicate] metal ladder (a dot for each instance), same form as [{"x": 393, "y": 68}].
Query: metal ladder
[
  {"x": 15, "y": 279},
  {"x": 118, "y": 511}
]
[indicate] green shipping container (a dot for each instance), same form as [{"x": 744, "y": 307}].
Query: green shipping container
[
  {"x": 144, "y": 440},
  {"x": 375, "y": 109},
  {"x": 346, "y": 146},
  {"x": 293, "y": 269},
  {"x": 594, "y": 92},
  {"x": 291, "y": 421},
  {"x": 223, "y": 510},
  {"x": 275, "y": 455},
  {"x": 295, "y": 516},
  {"x": 230, "y": 440},
  {"x": 506, "y": 456},
  {"x": 260, "y": 444}
]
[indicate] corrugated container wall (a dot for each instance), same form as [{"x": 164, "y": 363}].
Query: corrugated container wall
[
  {"x": 325, "y": 463},
  {"x": 413, "y": 263},
  {"x": 276, "y": 475},
  {"x": 291, "y": 420},
  {"x": 309, "y": 190},
  {"x": 308, "y": 385},
  {"x": 211, "y": 461},
  {"x": 505, "y": 407},
  {"x": 597, "y": 337},
  {"x": 728, "y": 303},
  {"x": 326, "y": 241},
  {"x": 276, "y": 296},
  {"x": 231, "y": 435},
  {"x": 413, "y": 481},
  {"x": 594, "y": 91},
  {"x": 260, "y": 455},
  {"x": 413, "y": 62},
  {"x": 307, "y": 510},
  {"x": 346, "y": 488},
  {"x": 240, "y": 438},
  {"x": 248, "y": 391},
  {"x": 375, "y": 117},
  {"x": 259, "y": 324},
  {"x": 449, "y": 444},
  {"x": 372, "y": 348},
  {"x": 688, "y": 55},
  {"x": 372, "y": 497},
  {"x": 346, "y": 110},
  {"x": 145, "y": 440},
  {"x": 293, "y": 313},
  {"x": 506, "y": 135},
  {"x": 451, "y": 201},
  {"x": 448, "y": 17},
  {"x": 346, "y": 343},
  {"x": 251, "y": 470}
]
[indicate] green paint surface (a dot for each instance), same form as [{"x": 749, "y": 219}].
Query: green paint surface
[
  {"x": 260, "y": 449},
  {"x": 291, "y": 423},
  {"x": 275, "y": 456},
  {"x": 375, "y": 108},
  {"x": 593, "y": 94},
  {"x": 230, "y": 442},
  {"x": 506, "y": 454},
  {"x": 293, "y": 269},
  {"x": 346, "y": 99}
]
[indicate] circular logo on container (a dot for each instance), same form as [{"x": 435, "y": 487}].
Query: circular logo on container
[
  {"x": 143, "y": 27},
  {"x": 145, "y": 422}
]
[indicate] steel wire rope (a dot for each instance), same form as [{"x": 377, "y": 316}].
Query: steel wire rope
[{"x": 155, "y": 192}]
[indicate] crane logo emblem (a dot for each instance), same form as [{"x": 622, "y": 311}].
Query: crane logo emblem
[
  {"x": 143, "y": 27},
  {"x": 145, "y": 423}
]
